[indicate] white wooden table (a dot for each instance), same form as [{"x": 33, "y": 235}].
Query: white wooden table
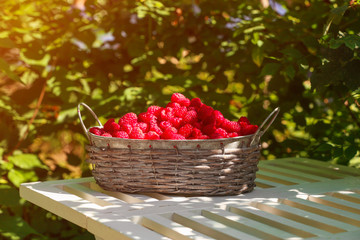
[{"x": 295, "y": 198}]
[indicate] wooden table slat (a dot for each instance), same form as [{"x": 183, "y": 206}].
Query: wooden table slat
[{"x": 294, "y": 198}]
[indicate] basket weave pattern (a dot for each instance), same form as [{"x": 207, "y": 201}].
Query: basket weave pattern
[
  {"x": 189, "y": 167},
  {"x": 197, "y": 171}
]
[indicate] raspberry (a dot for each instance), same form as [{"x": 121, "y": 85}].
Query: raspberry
[
  {"x": 180, "y": 112},
  {"x": 126, "y": 128},
  {"x": 186, "y": 130},
  {"x": 97, "y": 131},
  {"x": 220, "y": 132},
  {"x": 155, "y": 110},
  {"x": 244, "y": 119},
  {"x": 137, "y": 133},
  {"x": 196, "y": 103},
  {"x": 177, "y": 137},
  {"x": 146, "y": 117},
  {"x": 144, "y": 127},
  {"x": 233, "y": 134},
  {"x": 231, "y": 126},
  {"x": 177, "y": 97},
  {"x": 111, "y": 126},
  {"x": 208, "y": 129},
  {"x": 120, "y": 134},
  {"x": 106, "y": 134},
  {"x": 181, "y": 99},
  {"x": 219, "y": 118},
  {"x": 190, "y": 117},
  {"x": 170, "y": 133},
  {"x": 176, "y": 122},
  {"x": 205, "y": 112},
  {"x": 166, "y": 114},
  {"x": 185, "y": 102},
  {"x": 197, "y": 125},
  {"x": 129, "y": 118},
  {"x": 249, "y": 129},
  {"x": 195, "y": 133},
  {"x": 164, "y": 125},
  {"x": 152, "y": 135},
  {"x": 174, "y": 105},
  {"x": 203, "y": 137},
  {"x": 209, "y": 120},
  {"x": 155, "y": 128},
  {"x": 216, "y": 135}
]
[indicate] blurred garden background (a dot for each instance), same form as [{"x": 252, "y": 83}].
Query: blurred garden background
[{"x": 242, "y": 57}]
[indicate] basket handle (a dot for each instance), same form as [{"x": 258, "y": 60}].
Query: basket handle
[
  {"x": 82, "y": 122},
  {"x": 269, "y": 120}
]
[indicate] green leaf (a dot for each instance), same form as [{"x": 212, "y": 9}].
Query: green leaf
[
  {"x": 290, "y": 71},
  {"x": 15, "y": 227},
  {"x": 18, "y": 177},
  {"x": 350, "y": 152},
  {"x": 257, "y": 55},
  {"x": 9, "y": 196},
  {"x": 270, "y": 69},
  {"x": 6, "y": 43},
  {"x": 335, "y": 17},
  {"x": 26, "y": 161},
  {"x": 324, "y": 147},
  {"x": 351, "y": 41},
  {"x": 4, "y": 66}
]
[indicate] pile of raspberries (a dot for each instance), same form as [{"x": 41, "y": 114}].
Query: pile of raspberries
[{"x": 181, "y": 119}]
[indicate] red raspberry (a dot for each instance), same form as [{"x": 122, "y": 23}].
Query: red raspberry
[
  {"x": 208, "y": 129},
  {"x": 170, "y": 133},
  {"x": 195, "y": 133},
  {"x": 196, "y": 103},
  {"x": 186, "y": 130},
  {"x": 244, "y": 119},
  {"x": 205, "y": 112},
  {"x": 166, "y": 114},
  {"x": 137, "y": 133},
  {"x": 177, "y": 137},
  {"x": 173, "y": 105},
  {"x": 222, "y": 132},
  {"x": 155, "y": 128},
  {"x": 180, "y": 112},
  {"x": 249, "y": 129},
  {"x": 96, "y": 130},
  {"x": 197, "y": 125},
  {"x": 120, "y": 134},
  {"x": 203, "y": 137},
  {"x": 129, "y": 118},
  {"x": 152, "y": 135},
  {"x": 181, "y": 99},
  {"x": 144, "y": 127},
  {"x": 176, "y": 122},
  {"x": 111, "y": 126},
  {"x": 155, "y": 110},
  {"x": 219, "y": 133},
  {"x": 233, "y": 134},
  {"x": 190, "y": 117},
  {"x": 106, "y": 134},
  {"x": 209, "y": 120},
  {"x": 126, "y": 128},
  {"x": 231, "y": 126},
  {"x": 146, "y": 117},
  {"x": 219, "y": 118},
  {"x": 164, "y": 125}
]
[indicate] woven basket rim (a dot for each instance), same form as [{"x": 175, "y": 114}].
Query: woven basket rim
[{"x": 171, "y": 140}]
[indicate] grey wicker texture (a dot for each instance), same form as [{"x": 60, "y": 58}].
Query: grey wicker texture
[
  {"x": 188, "y": 167},
  {"x": 197, "y": 171}
]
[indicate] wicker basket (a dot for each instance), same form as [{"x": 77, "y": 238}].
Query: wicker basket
[{"x": 189, "y": 167}]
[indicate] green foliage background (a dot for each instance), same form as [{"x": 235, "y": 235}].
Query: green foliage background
[{"x": 121, "y": 56}]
